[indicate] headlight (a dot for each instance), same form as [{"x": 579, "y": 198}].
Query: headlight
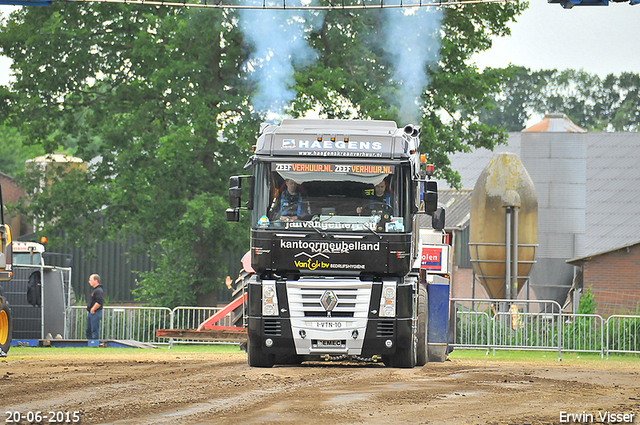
[
  {"x": 269, "y": 291},
  {"x": 389, "y": 311},
  {"x": 269, "y": 299},
  {"x": 388, "y": 300},
  {"x": 389, "y": 292},
  {"x": 269, "y": 310}
]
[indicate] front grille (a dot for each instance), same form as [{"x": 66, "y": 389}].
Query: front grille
[
  {"x": 305, "y": 297},
  {"x": 272, "y": 327},
  {"x": 326, "y": 314},
  {"x": 385, "y": 329}
]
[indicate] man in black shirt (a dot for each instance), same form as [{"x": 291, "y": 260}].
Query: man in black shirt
[{"x": 94, "y": 307}]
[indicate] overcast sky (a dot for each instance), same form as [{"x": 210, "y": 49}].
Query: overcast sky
[{"x": 598, "y": 39}]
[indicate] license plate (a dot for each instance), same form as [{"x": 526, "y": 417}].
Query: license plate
[
  {"x": 328, "y": 325},
  {"x": 330, "y": 343}
]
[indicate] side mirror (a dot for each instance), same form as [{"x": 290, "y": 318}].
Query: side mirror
[
  {"x": 430, "y": 196},
  {"x": 235, "y": 191},
  {"x": 235, "y": 197},
  {"x": 233, "y": 214},
  {"x": 437, "y": 219}
]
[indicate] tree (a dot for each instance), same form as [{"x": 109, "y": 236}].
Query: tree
[
  {"x": 163, "y": 97},
  {"x": 576, "y": 94},
  {"x": 596, "y": 104},
  {"x": 517, "y": 98},
  {"x": 623, "y": 93},
  {"x": 160, "y": 90},
  {"x": 14, "y": 151}
]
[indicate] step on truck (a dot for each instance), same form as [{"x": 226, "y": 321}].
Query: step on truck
[{"x": 335, "y": 244}]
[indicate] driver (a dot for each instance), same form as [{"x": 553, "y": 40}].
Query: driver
[
  {"x": 290, "y": 202},
  {"x": 378, "y": 195}
]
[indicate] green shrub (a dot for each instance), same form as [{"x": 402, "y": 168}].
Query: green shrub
[{"x": 588, "y": 303}]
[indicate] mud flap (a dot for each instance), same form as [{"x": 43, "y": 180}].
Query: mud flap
[{"x": 438, "y": 333}]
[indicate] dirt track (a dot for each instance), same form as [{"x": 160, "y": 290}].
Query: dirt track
[{"x": 169, "y": 387}]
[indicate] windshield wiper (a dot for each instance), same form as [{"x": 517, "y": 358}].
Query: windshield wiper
[
  {"x": 373, "y": 231},
  {"x": 323, "y": 234}
]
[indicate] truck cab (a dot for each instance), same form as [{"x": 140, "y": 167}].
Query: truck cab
[{"x": 28, "y": 254}]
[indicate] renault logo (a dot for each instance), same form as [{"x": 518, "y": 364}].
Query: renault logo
[{"x": 328, "y": 300}]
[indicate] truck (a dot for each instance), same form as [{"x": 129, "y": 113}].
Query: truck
[
  {"x": 40, "y": 294},
  {"x": 339, "y": 275},
  {"x": 28, "y": 253},
  {"x": 6, "y": 272}
]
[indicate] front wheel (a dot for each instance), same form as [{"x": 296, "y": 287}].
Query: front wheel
[
  {"x": 6, "y": 326},
  {"x": 423, "y": 326}
]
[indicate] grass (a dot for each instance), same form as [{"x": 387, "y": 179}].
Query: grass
[
  {"x": 162, "y": 352},
  {"x": 546, "y": 357},
  {"x": 205, "y": 351}
]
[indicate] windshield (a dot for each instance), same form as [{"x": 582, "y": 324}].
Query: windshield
[
  {"x": 325, "y": 196},
  {"x": 26, "y": 258}
]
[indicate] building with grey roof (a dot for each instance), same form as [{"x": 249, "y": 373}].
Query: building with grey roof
[{"x": 610, "y": 184}]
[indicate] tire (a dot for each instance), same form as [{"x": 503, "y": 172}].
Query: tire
[
  {"x": 6, "y": 325},
  {"x": 72, "y": 297},
  {"x": 256, "y": 357},
  {"x": 423, "y": 326}
]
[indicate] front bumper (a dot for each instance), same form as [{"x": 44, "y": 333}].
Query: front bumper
[
  {"x": 378, "y": 337},
  {"x": 352, "y": 326}
]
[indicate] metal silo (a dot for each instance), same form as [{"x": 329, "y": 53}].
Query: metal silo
[
  {"x": 503, "y": 228},
  {"x": 554, "y": 151}
]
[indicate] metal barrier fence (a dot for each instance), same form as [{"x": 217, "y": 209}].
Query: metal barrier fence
[
  {"x": 531, "y": 331},
  {"x": 472, "y": 330},
  {"x": 479, "y": 324},
  {"x": 623, "y": 334},
  {"x": 583, "y": 333},
  {"x": 122, "y": 323},
  {"x": 141, "y": 323},
  {"x": 191, "y": 317},
  {"x": 540, "y": 325},
  {"x": 496, "y": 324}
]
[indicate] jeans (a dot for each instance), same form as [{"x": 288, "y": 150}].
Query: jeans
[{"x": 93, "y": 324}]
